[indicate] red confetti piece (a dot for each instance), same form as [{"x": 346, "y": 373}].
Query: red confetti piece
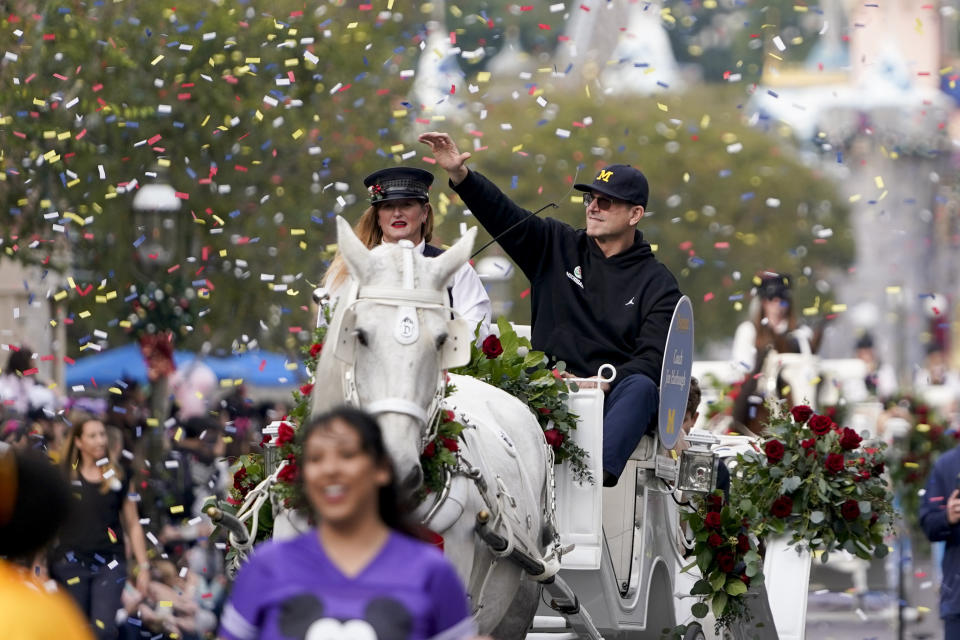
[
  {"x": 69, "y": 360},
  {"x": 30, "y": 372},
  {"x": 524, "y": 293},
  {"x": 707, "y": 297},
  {"x": 263, "y": 365},
  {"x": 544, "y": 27}
]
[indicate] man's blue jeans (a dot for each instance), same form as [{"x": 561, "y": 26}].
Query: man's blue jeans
[{"x": 628, "y": 412}]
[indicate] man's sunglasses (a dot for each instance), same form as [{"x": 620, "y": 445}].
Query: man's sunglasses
[{"x": 603, "y": 203}]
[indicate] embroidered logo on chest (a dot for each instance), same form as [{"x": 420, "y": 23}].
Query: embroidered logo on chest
[{"x": 576, "y": 276}]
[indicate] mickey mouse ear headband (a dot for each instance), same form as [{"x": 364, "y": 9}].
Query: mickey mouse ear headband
[{"x": 8, "y": 485}]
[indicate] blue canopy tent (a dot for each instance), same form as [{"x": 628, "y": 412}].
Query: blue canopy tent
[{"x": 255, "y": 368}]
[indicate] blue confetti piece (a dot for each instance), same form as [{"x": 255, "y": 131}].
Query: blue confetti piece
[
  {"x": 723, "y": 173},
  {"x": 139, "y": 241},
  {"x": 316, "y": 219},
  {"x": 773, "y": 93},
  {"x": 746, "y": 196},
  {"x": 514, "y": 182},
  {"x": 234, "y": 213},
  {"x": 132, "y": 296},
  {"x": 839, "y": 157}
]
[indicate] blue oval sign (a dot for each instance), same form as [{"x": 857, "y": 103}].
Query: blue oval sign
[{"x": 675, "y": 375}]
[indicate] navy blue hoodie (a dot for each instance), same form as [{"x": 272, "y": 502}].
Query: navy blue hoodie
[
  {"x": 933, "y": 519},
  {"x": 587, "y": 309}
]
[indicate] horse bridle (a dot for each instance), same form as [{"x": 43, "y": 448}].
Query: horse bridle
[{"x": 409, "y": 301}]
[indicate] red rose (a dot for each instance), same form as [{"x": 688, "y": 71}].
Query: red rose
[
  {"x": 544, "y": 411},
  {"x": 285, "y": 434},
  {"x": 239, "y": 477},
  {"x": 743, "y": 543},
  {"x": 774, "y": 450},
  {"x": 873, "y": 518},
  {"x": 725, "y": 561},
  {"x": 850, "y": 510},
  {"x": 712, "y": 521},
  {"x": 801, "y": 413},
  {"x": 849, "y": 439},
  {"x": 715, "y": 502},
  {"x": 491, "y": 347},
  {"x": 554, "y": 438},
  {"x": 782, "y": 507},
  {"x": 820, "y": 425},
  {"x": 430, "y": 450},
  {"x": 315, "y": 349},
  {"x": 450, "y": 443},
  {"x": 714, "y": 540},
  {"x": 306, "y": 389},
  {"x": 810, "y": 445},
  {"x": 265, "y": 439},
  {"x": 745, "y": 579},
  {"x": 877, "y": 470},
  {"x": 289, "y": 472},
  {"x": 447, "y": 415},
  {"x": 834, "y": 463}
]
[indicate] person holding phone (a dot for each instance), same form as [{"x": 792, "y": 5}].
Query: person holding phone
[{"x": 940, "y": 520}]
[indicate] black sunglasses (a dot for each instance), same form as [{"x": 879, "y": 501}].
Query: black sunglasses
[{"x": 603, "y": 202}]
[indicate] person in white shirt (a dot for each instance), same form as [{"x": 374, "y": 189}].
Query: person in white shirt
[{"x": 400, "y": 210}]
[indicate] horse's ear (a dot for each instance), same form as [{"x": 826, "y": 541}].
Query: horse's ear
[
  {"x": 447, "y": 263},
  {"x": 354, "y": 253}
]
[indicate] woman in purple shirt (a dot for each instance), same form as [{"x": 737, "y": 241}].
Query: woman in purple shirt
[{"x": 360, "y": 574}]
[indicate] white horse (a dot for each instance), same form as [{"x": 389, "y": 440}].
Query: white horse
[{"x": 390, "y": 339}]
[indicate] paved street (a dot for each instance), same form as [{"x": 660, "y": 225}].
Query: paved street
[{"x": 833, "y": 613}]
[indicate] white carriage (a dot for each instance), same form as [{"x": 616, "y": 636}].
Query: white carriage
[{"x": 525, "y": 535}]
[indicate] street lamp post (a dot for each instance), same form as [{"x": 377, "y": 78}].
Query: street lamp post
[{"x": 155, "y": 208}]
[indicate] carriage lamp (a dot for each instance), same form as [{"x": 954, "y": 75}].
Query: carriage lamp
[
  {"x": 698, "y": 464},
  {"x": 271, "y": 452}
]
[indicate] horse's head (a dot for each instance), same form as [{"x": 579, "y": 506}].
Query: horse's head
[{"x": 398, "y": 336}]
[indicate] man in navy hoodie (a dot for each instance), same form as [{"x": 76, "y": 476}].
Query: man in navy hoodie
[
  {"x": 939, "y": 515},
  {"x": 598, "y": 295}
]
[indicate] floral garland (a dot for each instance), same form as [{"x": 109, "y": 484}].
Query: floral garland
[
  {"x": 808, "y": 478},
  {"x": 727, "y": 555},
  {"x": 818, "y": 482},
  {"x": 507, "y": 362}
]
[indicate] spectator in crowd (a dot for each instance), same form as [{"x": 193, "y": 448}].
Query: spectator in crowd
[
  {"x": 91, "y": 558},
  {"x": 361, "y": 566},
  {"x": 33, "y": 505},
  {"x": 19, "y": 390},
  {"x": 880, "y": 380},
  {"x": 940, "y": 520}
]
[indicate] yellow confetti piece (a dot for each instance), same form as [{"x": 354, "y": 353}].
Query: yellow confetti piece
[
  {"x": 112, "y": 535},
  {"x": 923, "y": 428},
  {"x": 100, "y": 624},
  {"x": 397, "y": 148},
  {"x": 516, "y": 148},
  {"x": 296, "y": 135},
  {"x": 72, "y": 581},
  {"x": 399, "y": 113},
  {"x": 177, "y": 508},
  {"x": 116, "y": 390},
  {"x": 483, "y": 76},
  {"x": 662, "y": 107},
  {"x": 74, "y": 217},
  {"x": 156, "y": 60},
  {"x": 297, "y": 232},
  {"x": 799, "y": 8},
  {"x": 84, "y": 314},
  {"x": 60, "y": 295},
  {"x": 837, "y": 308},
  {"x": 911, "y": 465},
  {"x": 855, "y": 198},
  {"x": 166, "y": 603},
  {"x": 303, "y": 245},
  {"x": 252, "y": 61},
  {"x": 178, "y": 434},
  {"x": 893, "y": 289},
  {"x": 774, "y": 56},
  {"x": 353, "y": 25},
  {"x": 878, "y": 180}
]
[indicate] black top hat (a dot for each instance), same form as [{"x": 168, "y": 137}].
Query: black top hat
[
  {"x": 396, "y": 183},
  {"x": 774, "y": 285},
  {"x": 620, "y": 181}
]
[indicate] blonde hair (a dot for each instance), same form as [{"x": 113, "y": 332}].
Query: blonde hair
[
  {"x": 370, "y": 234},
  {"x": 70, "y": 459}
]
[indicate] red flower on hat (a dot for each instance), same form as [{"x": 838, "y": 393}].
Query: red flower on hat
[{"x": 376, "y": 193}]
